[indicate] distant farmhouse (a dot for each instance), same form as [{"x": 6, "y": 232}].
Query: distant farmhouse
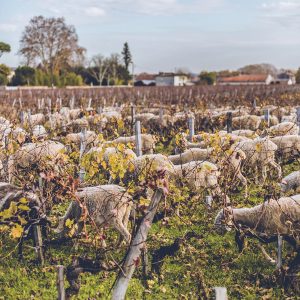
[
  {"x": 246, "y": 80},
  {"x": 171, "y": 79},
  {"x": 162, "y": 79},
  {"x": 285, "y": 78}
]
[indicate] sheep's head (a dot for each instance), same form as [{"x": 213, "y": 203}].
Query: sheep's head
[
  {"x": 283, "y": 186},
  {"x": 221, "y": 223}
]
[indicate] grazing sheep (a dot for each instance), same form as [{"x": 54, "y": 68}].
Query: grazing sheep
[
  {"x": 194, "y": 154},
  {"x": 288, "y": 145},
  {"x": 264, "y": 221},
  {"x": 290, "y": 118},
  {"x": 286, "y": 128},
  {"x": 39, "y": 131},
  {"x": 78, "y": 124},
  {"x": 105, "y": 204},
  {"x": 245, "y": 133},
  {"x": 251, "y": 122},
  {"x": 273, "y": 120},
  {"x": 33, "y": 153},
  {"x": 109, "y": 115},
  {"x": 260, "y": 153},
  {"x": 75, "y": 113},
  {"x": 4, "y": 122},
  {"x": 290, "y": 182},
  {"x": 148, "y": 142},
  {"x": 33, "y": 120},
  {"x": 199, "y": 175},
  {"x": 91, "y": 138}
]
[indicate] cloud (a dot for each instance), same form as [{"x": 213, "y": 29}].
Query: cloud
[
  {"x": 286, "y": 13},
  {"x": 97, "y": 8},
  {"x": 94, "y": 11},
  {"x": 6, "y": 27}
]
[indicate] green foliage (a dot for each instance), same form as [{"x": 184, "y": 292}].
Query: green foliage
[
  {"x": 24, "y": 76},
  {"x": 298, "y": 76},
  {"x": 4, "y": 73},
  {"x": 208, "y": 78},
  {"x": 127, "y": 58},
  {"x": 4, "y": 48}
]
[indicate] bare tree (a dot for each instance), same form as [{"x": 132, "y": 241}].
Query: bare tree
[
  {"x": 51, "y": 43},
  {"x": 99, "y": 67},
  {"x": 114, "y": 62}
]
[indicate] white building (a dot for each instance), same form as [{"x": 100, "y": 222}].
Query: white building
[{"x": 171, "y": 79}]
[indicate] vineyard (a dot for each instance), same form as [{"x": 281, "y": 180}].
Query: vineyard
[{"x": 150, "y": 193}]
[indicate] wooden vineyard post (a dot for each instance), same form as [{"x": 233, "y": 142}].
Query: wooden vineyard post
[
  {"x": 38, "y": 243},
  {"x": 221, "y": 293},
  {"x": 191, "y": 128},
  {"x": 138, "y": 139},
  {"x": 132, "y": 116},
  {"x": 138, "y": 243},
  {"x": 209, "y": 201},
  {"x": 267, "y": 116},
  {"x": 254, "y": 103},
  {"x": 279, "y": 252},
  {"x": 229, "y": 122},
  {"x": 82, "y": 149},
  {"x": 50, "y": 104},
  {"x": 60, "y": 283},
  {"x": 161, "y": 114},
  {"x": 90, "y": 103},
  {"x": 298, "y": 118}
]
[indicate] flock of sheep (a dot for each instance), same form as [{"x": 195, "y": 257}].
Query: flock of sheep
[{"x": 252, "y": 152}]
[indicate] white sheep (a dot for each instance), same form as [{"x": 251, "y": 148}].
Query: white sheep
[
  {"x": 285, "y": 128},
  {"x": 105, "y": 204},
  {"x": 91, "y": 138},
  {"x": 290, "y": 182},
  {"x": 199, "y": 175},
  {"x": 266, "y": 220},
  {"x": 260, "y": 153},
  {"x": 148, "y": 142},
  {"x": 288, "y": 145},
  {"x": 33, "y": 153},
  {"x": 251, "y": 122}
]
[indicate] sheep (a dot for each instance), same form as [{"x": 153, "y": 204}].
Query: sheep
[
  {"x": 198, "y": 175},
  {"x": 273, "y": 120},
  {"x": 109, "y": 115},
  {"x": 290, "y": 182},
  {"x": 33, "y": 120},
  {"x": 125, "y": 156},
  {"x": 90, "y": 138},
  {"x": 105, "y": 204},
  {"x": 148, "y": 142},
  {"x": 246, "y": 133},
  {"x": 75, "y": 113},
  {"x": 286, "y": 128},
  {"x": 290, "y": 118},
  {"x": 288, "y": 145},
  {"x": 39, "y": 131},
  {"x": 194, "y": 154},
  {"x": 260, "y": 153},
  {"x": 251, "y": 122},
  {"x": 77, "y": 124},
  {"x": 4, "y": 122},
  {"x": 264, "y": 221},
  {"x": 32, "y": 153}
]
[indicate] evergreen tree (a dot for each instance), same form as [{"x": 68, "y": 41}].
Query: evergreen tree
[{"x": 127, "y": 58}]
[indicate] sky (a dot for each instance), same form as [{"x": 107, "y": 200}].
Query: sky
[{"x": 165, "y": 35}]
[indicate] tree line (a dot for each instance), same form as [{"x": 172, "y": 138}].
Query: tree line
[{"x": 52, "y": 57}]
